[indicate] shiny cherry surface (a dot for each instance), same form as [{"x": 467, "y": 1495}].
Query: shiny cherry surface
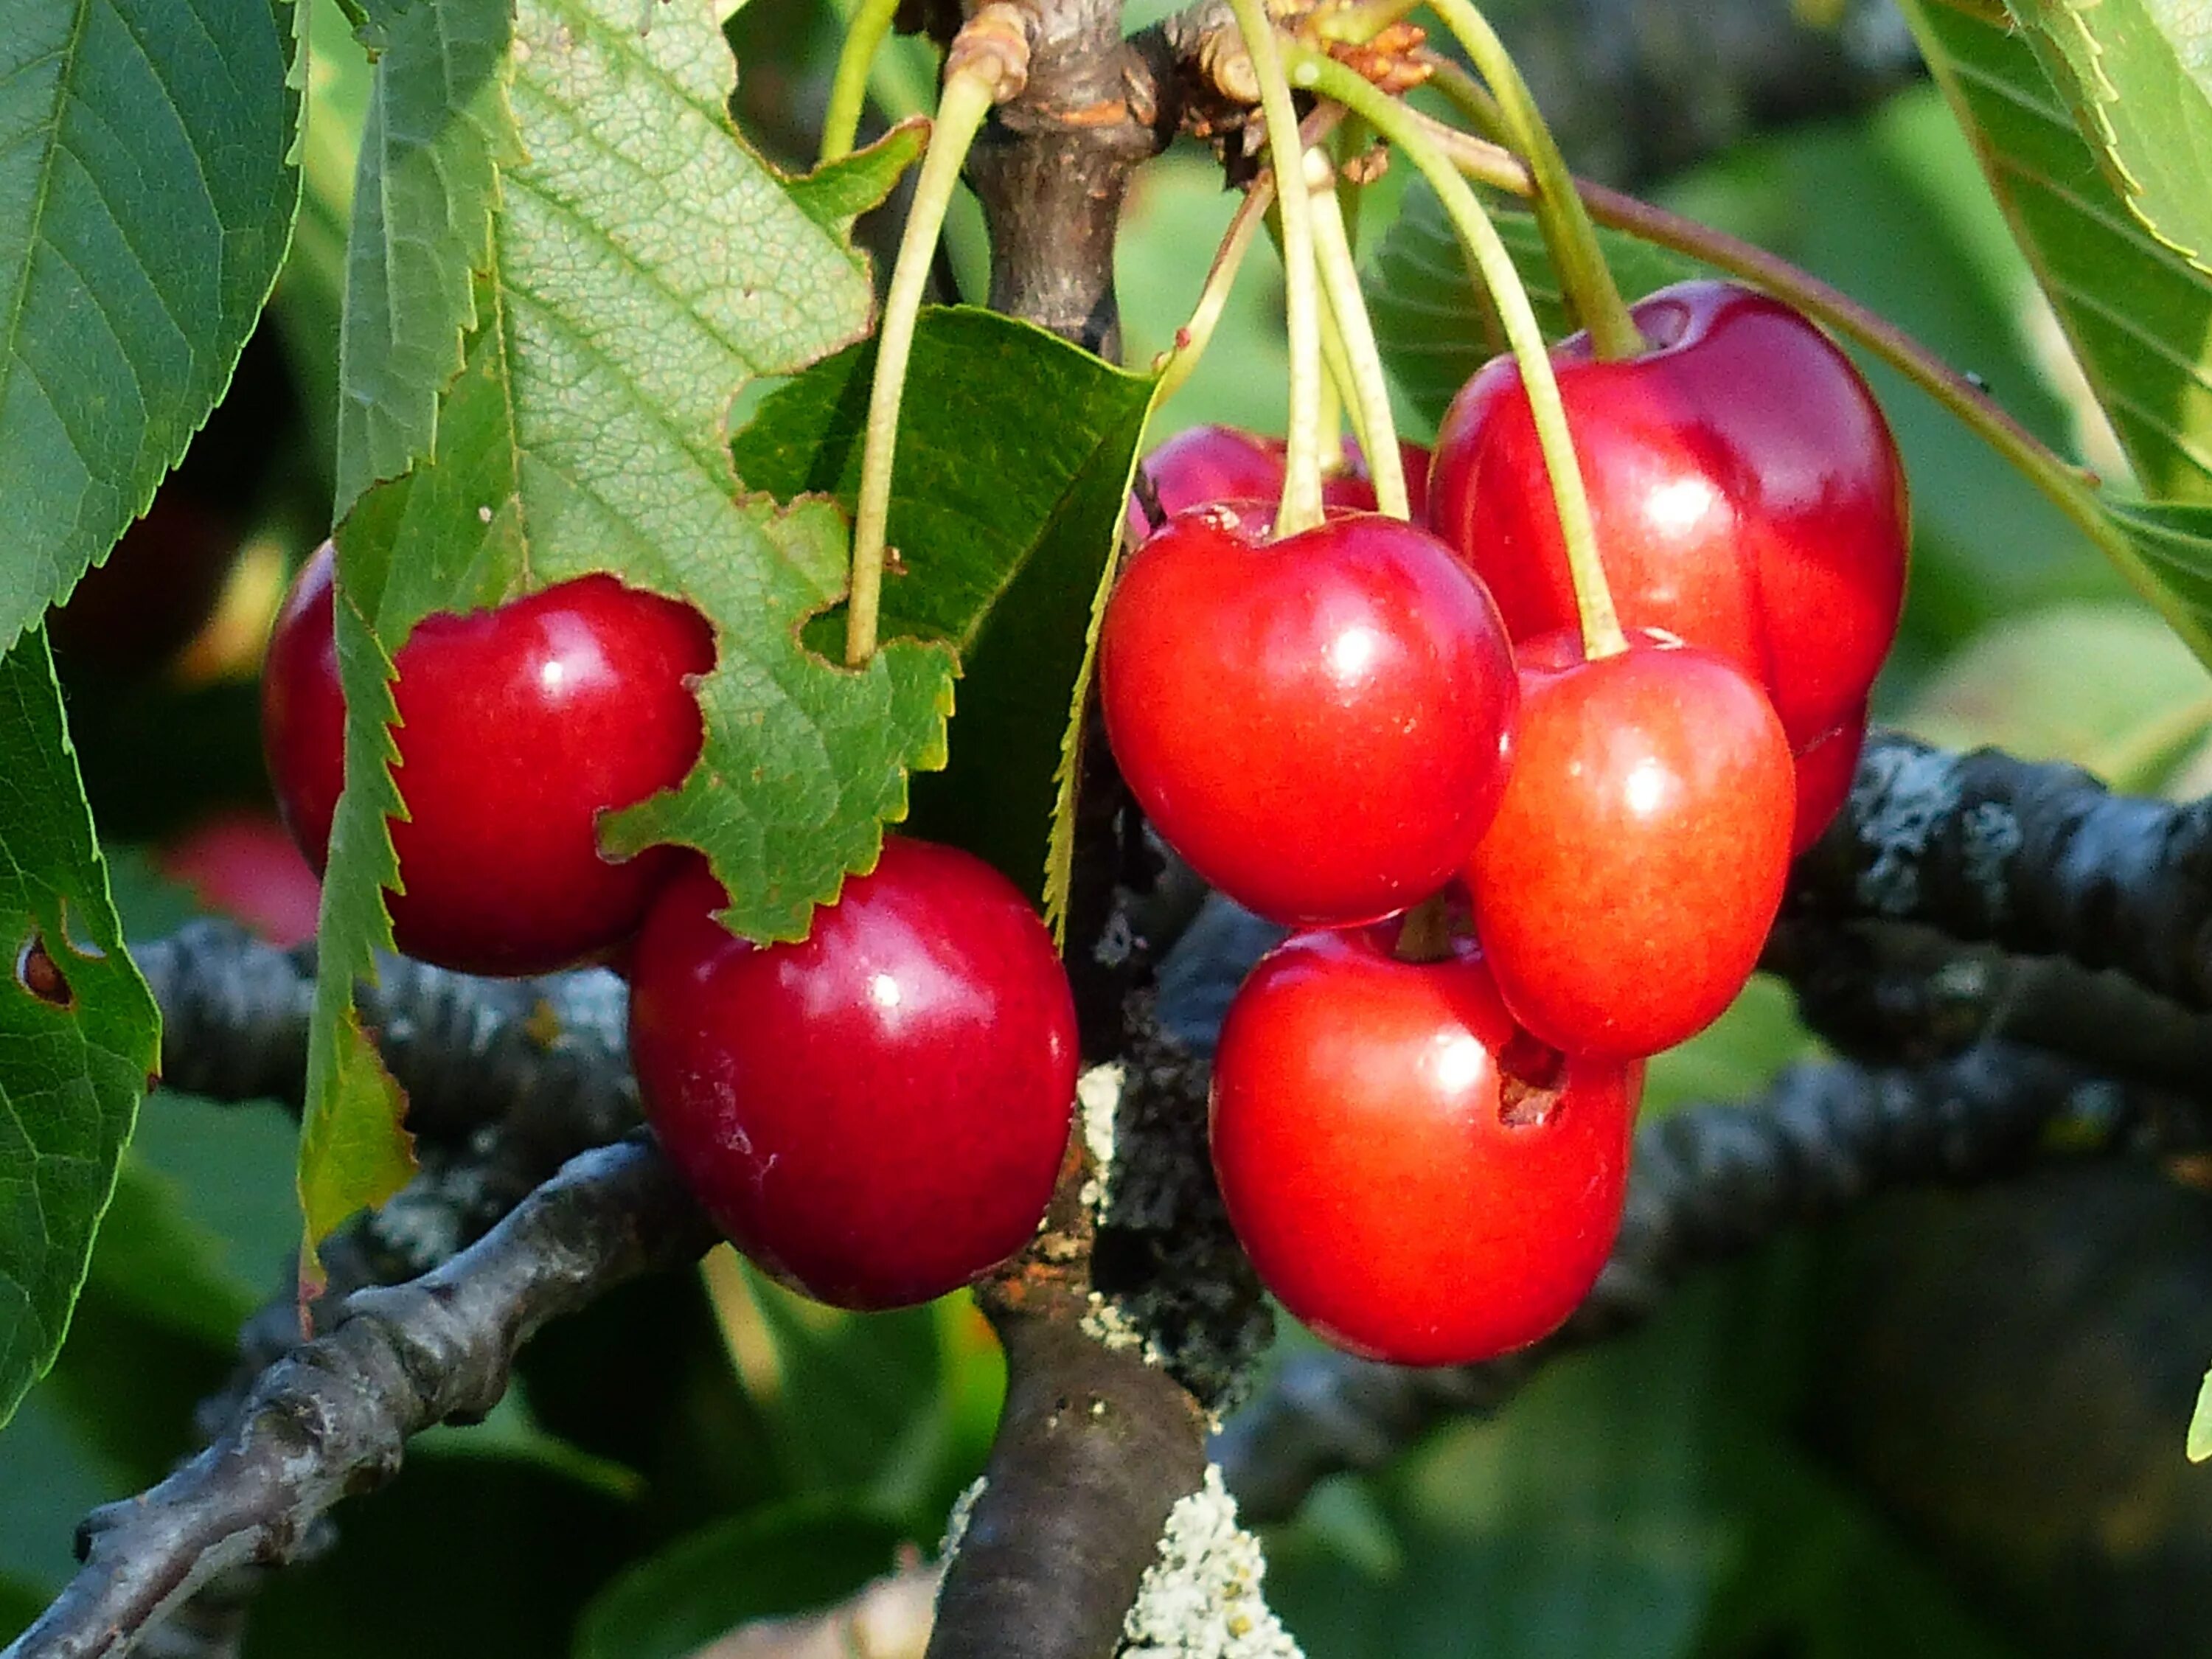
[
  {"x": 1401, "y": 1188},
  {"x": 1208, "y": 463},
  {"x": 877, "y": 1115},
  {"x": 1747, "y": 493},
  {"x": 519, "y": 727},
  {"x": 1637, "y": 862},
  {"x": 1318, "y": 725}
]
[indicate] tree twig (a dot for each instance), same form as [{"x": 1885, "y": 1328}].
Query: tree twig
[{"x": 331, "y": 1419}]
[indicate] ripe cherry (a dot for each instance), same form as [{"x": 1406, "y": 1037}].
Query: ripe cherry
[
  {"x": 1746, "y": 491},
  {"x": 1208, "y": 463},
  {"x": 877, "y": 1115},
  {"x": 243, "y": 865},
  {"x": 1411, "y": 1173},
  {"x": 518, "y": 727},
  {"x": 1824, "y": 768},
  {"x": 1637, "y": 862},
  {"x": 1319, "y": 725}
]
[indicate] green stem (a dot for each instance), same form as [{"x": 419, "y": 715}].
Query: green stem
[
  {"x": 1584, "y": 278},
  {"x": 1600, "y": 625},
  {"x": 961, "y": 111},
  {"x": 1371, "y": 388},
  {"x": 1301, "y": 505},
  {"x": 1466, "y": 94},
  {"x": 1175, "y": 365},
  {"x": 2065, "y": 485},
  {"x": 848, "y": 88}
]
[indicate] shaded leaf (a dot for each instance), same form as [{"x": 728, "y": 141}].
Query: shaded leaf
[
  {"x": 642, "y": 266},
  {"x": 2200, "y": 1424},
  {"x": 2139, "y": 317},
  {"x": 837, "y": 192},
  {"x": 145, "y": 200},
  {"x": 1013, "y": 461},
  {"x": 78, "y": 1029}
]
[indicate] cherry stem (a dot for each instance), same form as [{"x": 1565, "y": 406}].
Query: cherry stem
[
  {"x": 2066, "y": 485},
  {"x": 1600, "y": 625},
  {"x": 1584, "y": 278},
  {"x": 849, "y": 87},
  {"x": 987, "y": 64},
  {"x": 1300, "y": 509},
  {"x": 1369, "y": 387},
  {"x": 1467, "y": 95},
  {"x": 1425, "y": 935}
]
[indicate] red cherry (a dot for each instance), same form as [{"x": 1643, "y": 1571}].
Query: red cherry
[
  {"x": 519, "y": 726},
  {"x": 875, "y": 1115},
  {"x": 1746, "y": 493},
  {"x": 1637, "y": 862},
  {"x": 244, "y": 866},
  {"x": 1824, "y": 769},
  {"x": 1319, "y": 725},
  {"x": 1209, "y": 464},
  {"x": 1412, "y": 1176}
]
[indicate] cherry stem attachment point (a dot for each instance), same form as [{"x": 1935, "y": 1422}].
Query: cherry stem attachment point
[
  {"x": 1369, "y": 387},
  {"x": 987, "y": 65},
  {"x": 1569, "y": 236},
  {"x": 848, "y": 86},
  {"x": 1300, "y": 509},
  {"x": 1486, "y": 251}
]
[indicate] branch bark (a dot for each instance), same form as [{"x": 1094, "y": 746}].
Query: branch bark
[{"x": 331, "y": 1419}]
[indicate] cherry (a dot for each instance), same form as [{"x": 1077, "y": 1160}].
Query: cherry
[
  {"x": 137, "y": 610},
  {"x": 1318, "y": 725},
  {"x": 243, "y": 865},
  {"x": 1411, "y": 1173},
  {"x": 875, "y": 1115},
  {"x": 1637, "y": 862},
  {"x": 1824, "y": 769},
  {"x": 518, "y": 727},
  {"x": 1746, "y": 493},
  {"x": 1208, "y": 463}
]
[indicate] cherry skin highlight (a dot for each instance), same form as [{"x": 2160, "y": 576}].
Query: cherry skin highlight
[
  {"x": 1318, "y": 725},
  {"x": 1746, "y": 491},
  {"x": 877, "y": 1115},
  {"x": 1412, "y": 1176},
  {"x": 1626, "y": 890},
  {"x": 519, "y": 727}
]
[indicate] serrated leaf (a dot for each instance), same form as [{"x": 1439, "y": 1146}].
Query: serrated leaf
[
  {"x": 78, "y": 1029},
  {"x": 145, "y": 202},
  {"x": 1013, "y": 461},
  {"x": 437, "y": 129},
  {"x": 2135, "y": 74},
  {"x": 643, "y": 265},
  {"x": 837, "y": 192},
  {"x": 1431, "y": 321},
  {"x": 2138, "y": 315}
]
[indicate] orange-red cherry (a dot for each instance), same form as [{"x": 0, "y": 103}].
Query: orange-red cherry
[
  {"x": 1746, "y": 493},
  {"x": 1413, "y": 1177},
  {"x": 1318, "y": 725},
  {"x": 1637, "y": 861},
  {"x": 518, "y": 727},
  {"x": 876, "y": 1115}
]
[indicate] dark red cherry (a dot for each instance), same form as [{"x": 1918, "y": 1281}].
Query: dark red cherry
[
  {"x": 518, "y": 727},
  {"x": 1746, "y": 493},
  {"x": 1413, "y": 1176},
  {"x": 1824, "y": 769},
  {"x": 877, "y": 1115},
  {"x": 1320, "y": 724}
]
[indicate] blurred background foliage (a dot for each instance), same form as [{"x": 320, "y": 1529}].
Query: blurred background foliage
[{"x": 1953, "y": 1427}]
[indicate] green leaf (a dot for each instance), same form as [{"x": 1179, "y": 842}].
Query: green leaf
[
  {"x": 2139, "y": 317},
  {"x": 145, "y": 201},
  {"x": 1431, "y": 320},
  {"x": 2200, "y": 1424},
  {"x": 837, "y": 192},
  {"x": 78, "y": 1029},
  {"x": 643, "y": 264},
  {"x": 437, "y": 129},
  {"x": 794, "y": 1558},
  {"x": 1014, "y": 454},
  {"x": 2134, "y": 73}
]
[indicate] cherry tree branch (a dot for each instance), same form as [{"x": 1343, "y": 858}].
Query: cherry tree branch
[
  {"x": 331, "y": 1419},
  {"x": 1709, "y": 1183}
]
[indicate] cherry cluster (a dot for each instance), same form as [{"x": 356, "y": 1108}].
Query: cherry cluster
[
  {"x": 1524, "y": 866},
  {"x": 875, "y": 1115}
]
